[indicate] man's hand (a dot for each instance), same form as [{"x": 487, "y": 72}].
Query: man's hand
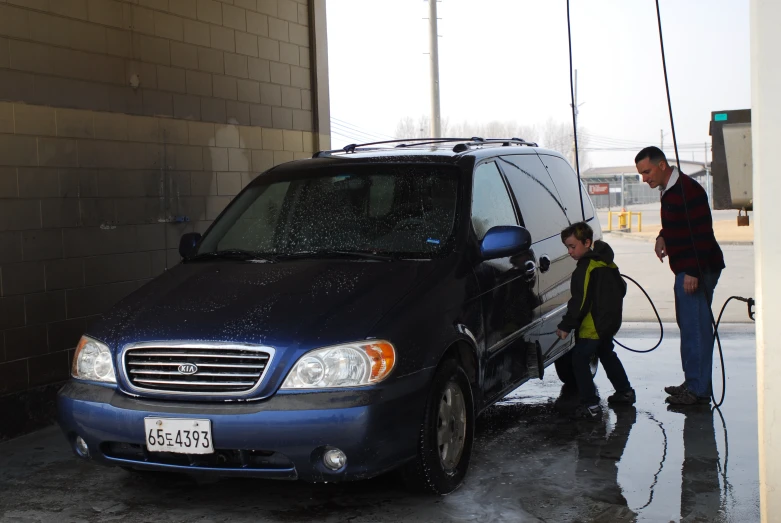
[
  {"x": 690, "y": 284},
  {"x": 561, "y": 334},
  {"x": 661, "y": 249}
]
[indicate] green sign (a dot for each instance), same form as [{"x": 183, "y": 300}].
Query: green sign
[{"x": 720, "y": 117}]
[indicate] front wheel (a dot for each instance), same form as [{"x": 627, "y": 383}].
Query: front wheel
[
  {"x": 446, "y": 435},
  {"x": 567, "y": 374}
]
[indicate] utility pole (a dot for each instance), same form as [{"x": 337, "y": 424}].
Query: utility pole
[
  {"x": 436, "y": 122},
  {"x": 576, "y": 111}
]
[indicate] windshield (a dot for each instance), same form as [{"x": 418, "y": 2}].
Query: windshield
[{"x": 384, "y": 208}]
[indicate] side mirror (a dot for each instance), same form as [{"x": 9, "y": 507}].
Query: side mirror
[
  {"x": 187, "y": 243},
  {"x": 505, "y": 240}
]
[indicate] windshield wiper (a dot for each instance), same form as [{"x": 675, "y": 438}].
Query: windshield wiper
[
  {"x": 325, "y": 253},
  {"x": 234, "y": 254}
]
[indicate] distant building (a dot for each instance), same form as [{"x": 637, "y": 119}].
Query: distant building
[
  {"x": 627, "y": 187},
  {"x": 696, "y": 170}
]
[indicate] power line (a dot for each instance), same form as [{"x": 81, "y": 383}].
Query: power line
[
  {"x": 352, "y": 139},
  {"x": 682, "y": 147},
  {"x": 357, "y": 129},
  {"x": 353, "y": 131},
  {"x": 360, "y": 138},
  {"x": 610, "y": 141},
  {"x": 354, "y": 134}
]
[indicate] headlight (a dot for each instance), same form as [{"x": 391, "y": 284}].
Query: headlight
[
  {"x": 348, "y": 365},
  {"x": 93, "y": 362}
]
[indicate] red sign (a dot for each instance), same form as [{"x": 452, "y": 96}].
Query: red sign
[{"x": 595, "y": 189}]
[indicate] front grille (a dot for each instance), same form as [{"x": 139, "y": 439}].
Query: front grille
[{"x": 196, "y": 368}]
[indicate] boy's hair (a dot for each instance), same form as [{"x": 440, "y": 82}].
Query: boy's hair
[{"x": 580, "y": 230}]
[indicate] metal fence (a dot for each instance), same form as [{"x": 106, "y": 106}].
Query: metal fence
[
  {"x": 636, "y": 193},
  {"x": 630, "y": 194}
]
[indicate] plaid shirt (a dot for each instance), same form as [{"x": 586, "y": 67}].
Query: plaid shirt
[{"x": 681, "y": 241}]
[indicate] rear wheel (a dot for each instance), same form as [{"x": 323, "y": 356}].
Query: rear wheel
[
  {"x": 446, "y": 435},
  {"x": 567, "y": 374}
]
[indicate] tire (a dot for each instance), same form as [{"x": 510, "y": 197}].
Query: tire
[
  {"x": 564, "y": 368},
  {"x": 446, "y": 434}
]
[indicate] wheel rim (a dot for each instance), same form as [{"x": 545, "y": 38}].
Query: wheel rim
[{"x": 451, "y": 426}]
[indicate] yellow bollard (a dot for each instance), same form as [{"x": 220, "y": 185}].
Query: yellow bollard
[{"x": 609, "y": 220}]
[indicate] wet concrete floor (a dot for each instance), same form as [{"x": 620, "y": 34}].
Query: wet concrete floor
[{"x": 530, "y": 464}]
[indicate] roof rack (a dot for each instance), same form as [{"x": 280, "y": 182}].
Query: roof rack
[{"x": 463, "y": 144}]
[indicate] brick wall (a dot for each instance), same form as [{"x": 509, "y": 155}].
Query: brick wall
[{"x": 123, "y": 125}]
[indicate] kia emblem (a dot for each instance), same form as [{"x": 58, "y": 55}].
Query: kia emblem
[{"x": 188, "y": 368}]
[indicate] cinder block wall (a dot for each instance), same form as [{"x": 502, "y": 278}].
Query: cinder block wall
[{"x": 123, "y": 125}]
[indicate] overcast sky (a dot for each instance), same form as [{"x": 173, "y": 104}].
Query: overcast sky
[{"x": 508, "y": 60}]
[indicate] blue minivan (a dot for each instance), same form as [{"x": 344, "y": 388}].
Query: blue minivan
[{"x": 345, "y": 316}]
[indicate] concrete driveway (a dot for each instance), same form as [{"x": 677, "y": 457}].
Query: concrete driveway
[{"x": 647, "y": 463}]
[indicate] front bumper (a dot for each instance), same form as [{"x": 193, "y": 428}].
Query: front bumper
[{"x": 282, "y": 437}]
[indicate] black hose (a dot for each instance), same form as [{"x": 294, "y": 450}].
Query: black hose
[
  {"x": 574, "y": 118},
  {"x": 658, "y": 318}
]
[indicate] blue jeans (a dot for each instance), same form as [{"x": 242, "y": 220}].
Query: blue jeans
[
  {"x": 693, "y": 314},
  {"x": 582, "y": 353}
]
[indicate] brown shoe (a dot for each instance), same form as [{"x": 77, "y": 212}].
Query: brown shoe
[
  {"x": 674, "y": 390},
  {"x": 687, "y": 398}
]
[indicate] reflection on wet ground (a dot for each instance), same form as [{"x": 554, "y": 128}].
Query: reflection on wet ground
[
  {"x": 531, "y": 463},
  {"x": 668, "y": 463}
]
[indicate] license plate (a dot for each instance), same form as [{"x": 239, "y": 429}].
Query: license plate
[{"x": 183, "y": 436}]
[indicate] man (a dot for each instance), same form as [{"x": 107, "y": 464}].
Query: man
[{"x": 696, "y": 259}]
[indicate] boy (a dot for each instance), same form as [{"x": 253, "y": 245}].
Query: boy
[{"x": 594, "y": 312}]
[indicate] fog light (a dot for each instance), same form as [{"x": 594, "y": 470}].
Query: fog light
[
  {"x": 82, "y": 449},
  {"x": 334, "y": 459}
]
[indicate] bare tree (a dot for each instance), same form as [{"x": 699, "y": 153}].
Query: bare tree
[
  {"x": 553, "y": 135},
  {"x": 493, "y": 129},
  {"x": 406, "y": 128},
  {"x": 558, "y": 136}
]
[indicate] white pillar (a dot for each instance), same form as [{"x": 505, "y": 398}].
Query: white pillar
[
  {"x": 766, "y": 133},
  {"x": 436, "y": 122},
  {"x": 318, "y": 50}
]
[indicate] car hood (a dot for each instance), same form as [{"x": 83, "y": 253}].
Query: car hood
[{"x": 303, "y": 303}]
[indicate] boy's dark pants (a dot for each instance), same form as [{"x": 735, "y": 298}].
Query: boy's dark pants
[{"x": 581, "y": 355}]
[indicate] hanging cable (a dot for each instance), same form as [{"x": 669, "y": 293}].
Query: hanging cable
[
  {"x": 667, "y": 89},
  {"x": 574, "y": 111}
]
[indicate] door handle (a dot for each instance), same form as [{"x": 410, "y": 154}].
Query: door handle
[
  {"x": 531, "y": 269},
  {"x": 544, "y": 263}
]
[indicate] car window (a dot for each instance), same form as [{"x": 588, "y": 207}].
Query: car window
[
  {"x": 400, "y": 209},
  {"x": 259, "y": 220},
  {"x": 491, "y": 205},
  {"x": 541, "y": 210},
  {"x": 566, "y": 181}
]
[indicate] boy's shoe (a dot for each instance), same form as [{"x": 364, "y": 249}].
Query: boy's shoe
[
  {"x": 674, "y": 390},
  {"x": 687, "y": 397},
  {"x": 623, "y": 398},
  {"x": 593, "y": 413}
]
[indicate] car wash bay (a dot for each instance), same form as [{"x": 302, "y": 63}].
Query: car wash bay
[{"x": 647, "y": 463}]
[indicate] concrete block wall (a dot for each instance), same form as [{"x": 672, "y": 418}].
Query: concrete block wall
[{"x": 123, "y": 125}]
